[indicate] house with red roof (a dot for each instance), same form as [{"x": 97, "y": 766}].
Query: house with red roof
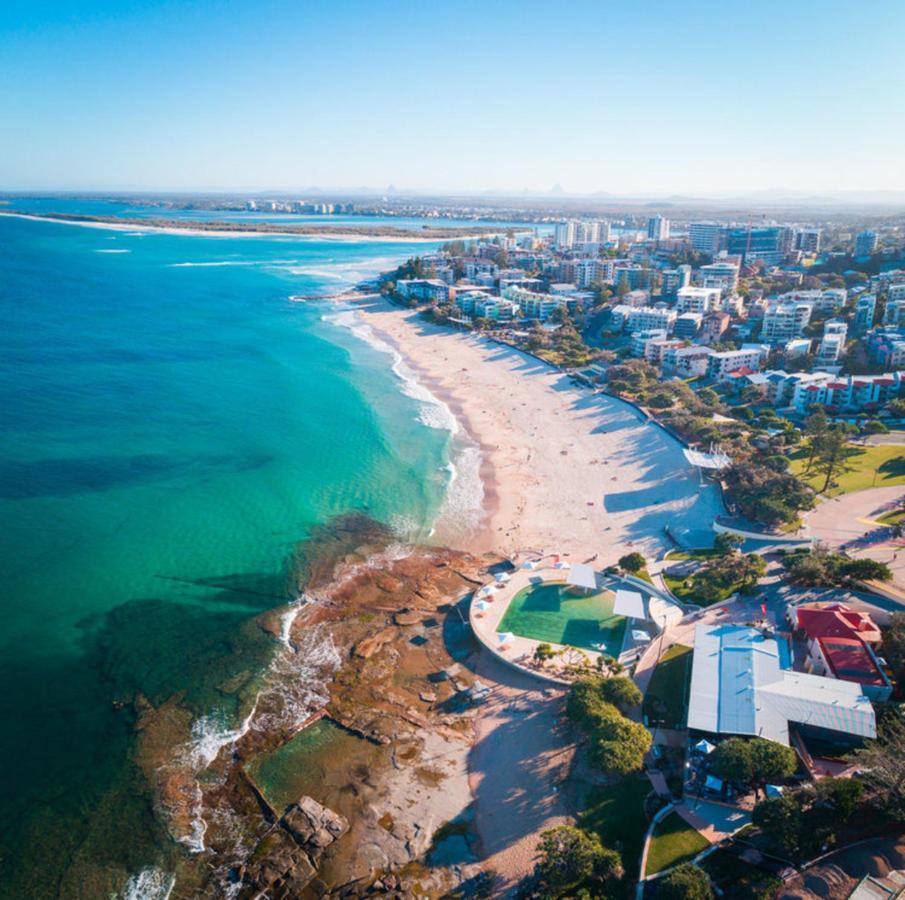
[{"x": 839, "y": 641}]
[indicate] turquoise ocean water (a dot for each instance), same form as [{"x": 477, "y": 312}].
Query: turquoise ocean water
[{"x": 173, "y": 426}]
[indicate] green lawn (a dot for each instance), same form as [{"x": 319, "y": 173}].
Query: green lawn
[
  {"x": 880, "y": 466},
  {"x": 666, "y": 699},
  {"x": 687, "y": 593},
  {"x": 894, "y": 517},
  {"x": 738, "y": 879},
  {"x": 674, "y": 841},
  {"x": 555, "y": 613},
  {"x": 615, "y": 812}
]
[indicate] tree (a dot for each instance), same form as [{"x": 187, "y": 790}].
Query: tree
[
  {"x": 881, "y": 765},
  {"x": 543, "y": 652},
  {"x": 632, "y": 562},
  {"x": 726, "y": 542},
  {"x": 771, "y": 761},
  {"x": 624, "y": 752},
  {"x": 570, "y": 858},
  {"x": 685, "y": 882},
  {"x": 780, "y": 818},
  {"x": 894, "y": 644},
  {"x": 815, "y": 429},
  {"x": 621, "y": 691},
  {"x": 841, "y": 795},
  {"x": 832, "y": 454},
  {"x": 731, "y": 761}
]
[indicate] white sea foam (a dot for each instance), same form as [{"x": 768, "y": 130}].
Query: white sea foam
[
  {"x": 462, "y": 507},
  {"x": 149, "y": 884},
  {"x": 434, "y": 412},
  {"x": 111, "y": 250}
]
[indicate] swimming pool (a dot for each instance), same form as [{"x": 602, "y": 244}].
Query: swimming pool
[{"x": 556, "y": 613}]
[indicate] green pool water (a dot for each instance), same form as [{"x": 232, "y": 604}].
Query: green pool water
[
  {"x": 555, "y": 613},
  {"x": 321, "y": 761}
]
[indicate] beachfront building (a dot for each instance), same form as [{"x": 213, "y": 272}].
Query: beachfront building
[
  {"x": 742, "y": 683},
  {"x": 640, "y": 340},
  {"x": 698, "y": 299},
  {"x": 481, "y": 304},
  {"x": 713, "y": 326},
  {"x": 426, "y": 290},
  {"x": 654, "y": 351},
  {"x": 768, "y": 244},
  {"x": 751, "y": 357},
  {"x": 539, "y": 306},
  {"x": 686, "y": 362},
  {"x": 839, "y": 642}
]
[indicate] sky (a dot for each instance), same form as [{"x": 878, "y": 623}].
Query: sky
[{"x": 631, "y": 98}]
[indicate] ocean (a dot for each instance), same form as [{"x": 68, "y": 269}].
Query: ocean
[{"x": 174, "y": 427}]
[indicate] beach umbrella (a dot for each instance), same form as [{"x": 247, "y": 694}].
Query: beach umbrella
[
  {"x": 642, "y": 637},
  {"x": 505, "y": 637},
  {"x": 704, "y": 747},
  {"x": 503, "y": 577},
  {"x": 484, "y": 591},
  {"x": 773, "y": 790},
  {"x": 481, "y": 605},
  {"x": 562, "y": 564},
  {"x": 529, "y": 564}
]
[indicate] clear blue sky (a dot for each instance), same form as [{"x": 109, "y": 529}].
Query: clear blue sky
[{"x": 628, "y": 97}]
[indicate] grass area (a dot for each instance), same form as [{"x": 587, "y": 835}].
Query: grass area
[
  {"x": 738, "y": 879},
  {"x": 666, "y": 699},
  {"x": 880, "y": 466},
  {"x": 555, "y": 613},
  {"x": 894, "y": 517},
  {"x": 615, "y": 812},
  {"x": 674, "y": 841},
  {"x": 687, "y": 594},
  {"x": 679, "y": 555}
]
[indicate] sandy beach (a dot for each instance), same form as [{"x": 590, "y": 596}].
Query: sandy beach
[
  {"x": 347, "y": 236},
  {"x": 564, "y": 469}
]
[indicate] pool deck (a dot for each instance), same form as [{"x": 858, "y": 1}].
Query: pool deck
[{"x": 519, "y": 652}]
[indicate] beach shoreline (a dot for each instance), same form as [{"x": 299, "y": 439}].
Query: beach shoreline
[
  {"x": 564, "y": 469},
  {"x": 345, "y": 235}
]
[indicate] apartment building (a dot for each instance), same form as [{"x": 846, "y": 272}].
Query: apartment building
[{"x": 698, "y": 299}]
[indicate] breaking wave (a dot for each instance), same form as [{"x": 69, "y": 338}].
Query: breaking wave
[{"x": 149, "y": 884}]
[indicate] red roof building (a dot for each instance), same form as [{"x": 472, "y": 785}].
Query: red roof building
[{"x": 839, "y": 642}]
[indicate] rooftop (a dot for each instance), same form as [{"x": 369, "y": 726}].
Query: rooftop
[{"x": 741, "y": 684}]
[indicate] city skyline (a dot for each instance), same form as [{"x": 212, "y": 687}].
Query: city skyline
[{"x": 601, "y": 100}]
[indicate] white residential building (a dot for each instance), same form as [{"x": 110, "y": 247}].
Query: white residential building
[
  {"x": 784, "y": 320},
  {"x": 724, "y": 363},
  {"x": 723, "y": 275},
  {"x": 644, "y": 318},
  {"x": 698, "y": 299},
  {"x": 832, "y": 344},
  {"x": 640, "y": 340}
]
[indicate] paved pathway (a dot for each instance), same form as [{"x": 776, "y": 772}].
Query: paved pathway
[{"x": 848, "y": 522}]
